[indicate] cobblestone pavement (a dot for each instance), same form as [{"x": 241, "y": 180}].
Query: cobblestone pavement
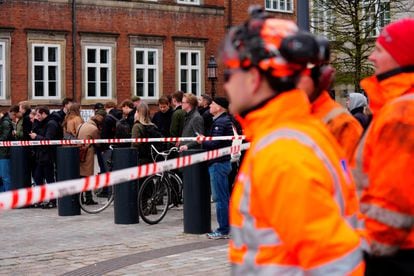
[{"x": 39, "y": 242}]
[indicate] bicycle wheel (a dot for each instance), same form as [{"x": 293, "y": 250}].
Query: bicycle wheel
[
  {"x": 96, "y": 201},
  {"x": 177, "y": 188},
  {"x": 153, "y": 198}
]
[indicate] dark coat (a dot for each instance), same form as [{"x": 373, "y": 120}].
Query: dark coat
[
  {"x": 48, "y": 129},
  {"x": 27, "y": 125},
  {"x": 6, "y": 128},
  {"x": 362, "y": 118},
  {"x": 221, "y": 126},
  {"x": 163, "y": 121}
]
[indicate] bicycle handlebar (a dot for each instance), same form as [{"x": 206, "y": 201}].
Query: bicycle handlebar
[{"x": 164, "y": 153}]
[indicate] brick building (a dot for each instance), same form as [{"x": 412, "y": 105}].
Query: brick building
[{"x": 102, "y": 50}]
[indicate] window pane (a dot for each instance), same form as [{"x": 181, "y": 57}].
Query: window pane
[
  {"x": 104, "y": 56},
  {"x": 104, "y": 89},
  {"x": 52, "y": 53},
  {"x": 183, "y": 87},
  {"x": 91, "y": 89},
  {"x": 183, "y": 58},
  {"x": 1, "y": 52},
  {"x": 139, "y": 57},
  {"x": 91, "y": 74},
  {"x": 140, "y": 75},
  {"x": 91, "y": 55},
  {"x": 267, "y": 4},
  {"x": 194, "y": 88},
  {"x": 39, "y": 73},
  {"x": 282, "y": 4},
  {"x": 194, "y": 75},
  {"x": 183, "y": 75},
  {"x": 52, "y": 89},
  {"x": 38, "y": 89},
  {"x": 194, "y": 59},
  {"x": 1, "y": 74},
  {"x": 52, "y": 73},
  {"x": 151, "y": 75},
  {"x": 38, "y": 53},
  {"x": 151, "y": 90},
  {"x": 104, "y": 74},
  {"x": 140, "y": 89},
  {"x": 151, "y": 58}
]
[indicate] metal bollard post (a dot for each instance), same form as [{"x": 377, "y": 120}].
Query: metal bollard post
[
  {"x": 197, "y": 205},
  {"x": 125, "y": 194},
  {"x": 67, "y": 163},
  {"x": 20, "y": 162}
]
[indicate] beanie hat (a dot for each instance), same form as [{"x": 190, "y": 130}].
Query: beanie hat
[
  {"x": 398, "y": 39},
  {"x": 98, "y": 106},
  {"x": 101, "y": 112},
  {"x": 221, "y": 101}
]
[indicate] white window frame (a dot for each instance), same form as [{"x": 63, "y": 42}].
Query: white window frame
[
  {"x": 146, "y": 67},
  {"x": 98, "y": 65},
  {"x": 189, "y": 2},
  {"x": 45, "y": 65},
  {"x": 278, "y": 6},
  {"x": 380, "y": 23},
  {"x": 321, "y": 18},
  {"x": 3, "y": 71},
  {"x": 189, "y": 67}
]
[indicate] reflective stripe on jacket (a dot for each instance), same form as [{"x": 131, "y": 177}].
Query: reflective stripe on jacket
[
  {"x": 294, "y": 204},
  {"x": 343, "y": 126},
  {"x": 384, "y": 172}
]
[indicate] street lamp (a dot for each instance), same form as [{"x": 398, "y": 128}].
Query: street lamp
[{"x": 212, "y": 74}]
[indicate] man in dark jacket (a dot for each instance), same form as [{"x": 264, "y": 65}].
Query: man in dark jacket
[
  {"x": 24, "y": 108},
  {"x": 6, "y": 133},
  {"x": 162, "y": 118},
  {"x": 220, "y": 168},
  {"x": 45, "y": 156},
  {"x": 204, "y": 110}
]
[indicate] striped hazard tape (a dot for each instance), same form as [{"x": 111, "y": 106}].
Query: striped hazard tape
[
  {"x": 28, "y": 196},
  {"x": 114, "y": 141}
]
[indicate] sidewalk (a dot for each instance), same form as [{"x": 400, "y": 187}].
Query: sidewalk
[{"x": 39, "y": 242}]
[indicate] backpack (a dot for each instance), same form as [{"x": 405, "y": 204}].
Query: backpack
[
  {"x": 57, "y": 117},
  {"x": 123, "y": 129}
]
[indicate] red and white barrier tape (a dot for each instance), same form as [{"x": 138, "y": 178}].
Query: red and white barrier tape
[
  {"x": 114, "y": 141},
  {"x": 28, "y": 196}
]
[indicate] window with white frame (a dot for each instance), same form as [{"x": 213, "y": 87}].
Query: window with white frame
[
  {"x": 279, "y": 5},
  {"x": 46, "y": 67},
  {"x": 146, "y": 73},
  {"x": 192, "y": 2},
  {"x": 377, "y": 15},
  {"x": 321, "y": 18},
  {"x": 98, "y": 72},
  {"x": 2, "y": 70},
  {"x": 189, "y": 71}
]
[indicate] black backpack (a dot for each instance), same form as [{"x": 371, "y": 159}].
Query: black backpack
[{"x": 123, "y": 129}]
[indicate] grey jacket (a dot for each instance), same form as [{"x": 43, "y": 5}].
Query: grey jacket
[{"x": 193, "y": 124}]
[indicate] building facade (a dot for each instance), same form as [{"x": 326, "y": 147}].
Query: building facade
[{"x": 107, "y": 50}]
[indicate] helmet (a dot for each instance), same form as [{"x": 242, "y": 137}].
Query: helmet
[{"x": 275, "y": 46}]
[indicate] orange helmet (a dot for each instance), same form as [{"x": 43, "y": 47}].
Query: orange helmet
[{"x": 275, "y": 46}]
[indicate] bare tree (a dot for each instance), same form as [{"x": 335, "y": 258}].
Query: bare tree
[{"x": 352, "y": 26}]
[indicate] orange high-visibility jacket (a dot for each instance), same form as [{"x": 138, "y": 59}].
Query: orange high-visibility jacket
[
  {"x": 384, "y": 164},
  {"x": 343, "y": 126},
  {"x": 294, "y": 203}
]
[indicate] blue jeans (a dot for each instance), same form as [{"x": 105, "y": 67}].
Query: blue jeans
[
  {"x": 219, "y": 173},
  {"x": 5, "y": 175}
]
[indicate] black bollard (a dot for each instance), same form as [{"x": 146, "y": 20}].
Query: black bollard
[
  {"x": 67, "y": 163},
  {"x": 197, "y": 205},
  {"x": 20, "y": 162},
  {"x": 125, "y": 194}
]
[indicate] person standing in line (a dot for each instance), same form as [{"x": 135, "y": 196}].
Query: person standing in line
[
  {"x": 90, "y": 130},
  {"x": 220, "y": 168},
  {"x": 6, "y": 134},
  {"x": 178, "y": 117},
  {"x": 45, "y": 156},
  {"x": 294, "y": 204},
  {"x": 193, "y": 124},
  {"x": 204, "y": 110},
  {"x": 25, "y": 109},
  {"x": 384, "y": 172},
  {"x": 316, "y": 83},
  {"x": 72, "y": 122},
  {"x": 162, "y": 118}
]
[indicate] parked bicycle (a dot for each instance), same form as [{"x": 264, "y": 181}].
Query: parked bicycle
[{"x": 160, "y": 191}]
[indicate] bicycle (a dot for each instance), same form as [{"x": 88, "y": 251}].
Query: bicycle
[{"x": 159, "y": 192}]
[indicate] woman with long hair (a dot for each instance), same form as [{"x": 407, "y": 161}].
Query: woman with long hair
[{"x": 72, "y": 122}]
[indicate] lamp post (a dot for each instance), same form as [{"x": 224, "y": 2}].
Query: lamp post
[{"x": 212, "y": 74}]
